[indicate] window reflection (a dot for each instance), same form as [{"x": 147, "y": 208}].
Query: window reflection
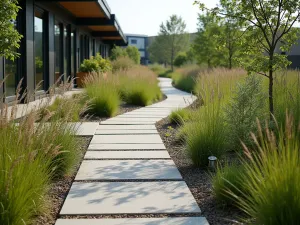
[
  {"x": 38, "y": 47},
  {"x": 72, "y": 54},
  {"x": 57, "y": 46},
  {"x": 10, "y": 73},
  {"x": 66, "y": 54}
]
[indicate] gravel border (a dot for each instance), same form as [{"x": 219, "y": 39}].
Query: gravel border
[
  {"x": 197, "y": 179},
  {"x": 60, "y": 189}
]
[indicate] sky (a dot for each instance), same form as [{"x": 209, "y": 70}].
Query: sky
[{"x": 145, "y": 16}]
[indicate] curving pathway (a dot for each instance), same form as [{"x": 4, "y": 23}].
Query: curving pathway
[{"x": 128, "y": 171}]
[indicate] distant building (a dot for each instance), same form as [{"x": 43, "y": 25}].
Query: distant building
[{"x": 141, "y": 42}]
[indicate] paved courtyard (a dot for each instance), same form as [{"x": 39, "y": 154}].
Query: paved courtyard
[{"x": 128, "y": 171}]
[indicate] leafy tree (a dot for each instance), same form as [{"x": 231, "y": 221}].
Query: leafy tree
[
  {"x": 117, "y": 52},
  {"x": 134, "y": 54},
  {"x": 9, "y": 36},
  {"x": 172, "y": 39},
  {"x": 205, "y": 46},
  {"x": 180, "y": 59},
  {"x": 268, "y": 25}
]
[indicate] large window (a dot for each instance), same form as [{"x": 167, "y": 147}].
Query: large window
[
  {"x": 57, "y": 46},
  {"x": 39, "y": 49},
  {"x": 133, "y": 41}
]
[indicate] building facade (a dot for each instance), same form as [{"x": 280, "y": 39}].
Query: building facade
[
  {"x": 57, "y": 36},
  {"x": 141, "y": 42}
]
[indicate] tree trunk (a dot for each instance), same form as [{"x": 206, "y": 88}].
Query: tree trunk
[
  {"x": 172, "y": 60},
  {"x": 271, "y": 100}
]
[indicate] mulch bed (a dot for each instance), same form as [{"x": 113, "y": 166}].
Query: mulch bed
[
  {"x": 197, "y": 179},
  {"x": 60, "y": 189}
]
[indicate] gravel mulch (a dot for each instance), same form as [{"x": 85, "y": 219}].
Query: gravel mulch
[
  {"x": 197, "y": 179},
  {"x": 59, "y": 190}
]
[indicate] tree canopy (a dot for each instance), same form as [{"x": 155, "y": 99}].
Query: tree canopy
[
  {"x": 171, "y": 40},
  {"x": 267, "y": 26},
  {"x": 9, "y": 36}
]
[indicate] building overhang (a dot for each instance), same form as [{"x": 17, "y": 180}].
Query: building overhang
[
  {"x": 108, "y": 30},
  {"x": 96, "y": 16},
  {"x": 84, "y": 8}
]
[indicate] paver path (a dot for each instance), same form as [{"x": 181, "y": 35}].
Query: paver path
[{"x": 128, "y": 171}]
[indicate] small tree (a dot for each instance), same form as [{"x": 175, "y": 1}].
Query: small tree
[
  {"x": 268, "y": 25},
  {"x": 9, "y": 36},
  {"x": 134, "y": 54},
  {"x": 172, "y": 38}
]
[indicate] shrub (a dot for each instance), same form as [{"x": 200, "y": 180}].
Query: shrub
[
  {"x": 139, "y": 86},
  {"x": 180, "y": 59},
  {"x": 246, "y": 104},
  {"x": 103, "y": 95},
  {"x": 228, "y": 179},
  {"x": 179, "y": 116},
  {"x": 88, "y": 66},
  {"x": 272, "y": 178},
  {"x": 118, "y": 52},
  {"x": 104, "y": 65},
  {"x": 95, "y": 64},
  {"x": 207, "y": 137},
  {"x": 134, "y": 54},
  {"x": 123, "y": 63}
]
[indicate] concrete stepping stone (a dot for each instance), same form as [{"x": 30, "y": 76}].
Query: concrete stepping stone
[
  {"x": 127, "y": 155},
  {"x": 99, "y": 147},
  {"x": 127, "y": 139},
  {"x": 106, "y": 170},
  {"x": 126, "y": 127},
  {"x": 113, "y": 122},
  {"x": 139, "y": 116},
  {"x": 108, "y": 132},
  {"x": 129, "y": 198},
  {"x": 134, "y": 119},
  {"x": 85, "y": 128},
  {"x": 136, "y": 221}
]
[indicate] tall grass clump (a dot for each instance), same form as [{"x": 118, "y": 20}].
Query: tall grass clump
[
  {"x": 179, "y": 116},
  {"x": 122, "y": 63},
  {"x": 287, "y": 96},
  {"x": 185, "y": 78},
  {"x": 228, "y": 178},
  {"x": 207, "y": 135},
  {"x": 24, "y": 177},
  {"x": 32, "y": 155},
  {"x": 245, "y": 105},
  {"x": 139, "y": 86},
  {"x": 272, "y": 179},
  {"x": 66, "y": 108},
  {"x": 103, "y": 95}
]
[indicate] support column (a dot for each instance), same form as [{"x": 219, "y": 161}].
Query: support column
[
  {"x": 50, "y": 51},
  {"x": 27, "y": 48}
]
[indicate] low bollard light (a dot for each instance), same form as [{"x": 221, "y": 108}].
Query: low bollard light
[{"x": 212, "y": 161}]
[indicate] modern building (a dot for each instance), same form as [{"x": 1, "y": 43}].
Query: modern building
[
  {"x": 57, "y": 36},
  {"x": 141, "y": 42}
]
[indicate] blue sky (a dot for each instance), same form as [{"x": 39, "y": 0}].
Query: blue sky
[{"x": 145, "y": 16}]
